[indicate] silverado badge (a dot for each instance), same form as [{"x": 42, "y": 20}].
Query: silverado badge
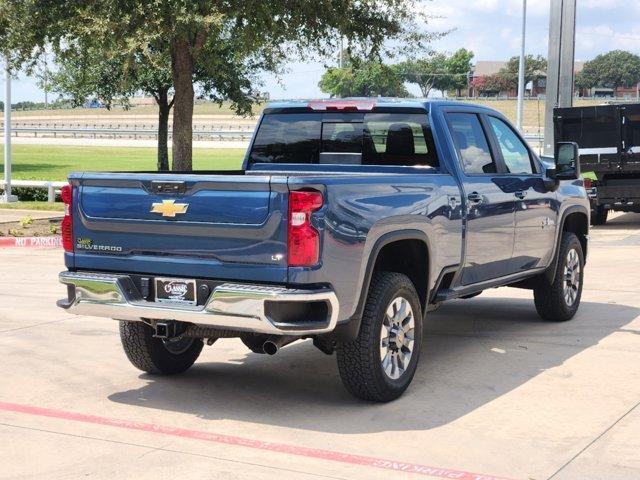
[{"x": 169, "y": 208}]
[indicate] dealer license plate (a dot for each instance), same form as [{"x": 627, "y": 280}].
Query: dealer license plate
[{"x": 176, "y": 290}]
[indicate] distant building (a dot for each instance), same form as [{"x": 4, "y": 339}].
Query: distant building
[{"x": 539, "y": 87}]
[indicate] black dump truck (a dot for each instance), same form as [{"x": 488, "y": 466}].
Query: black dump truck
[{"x": 609, "y": 141}]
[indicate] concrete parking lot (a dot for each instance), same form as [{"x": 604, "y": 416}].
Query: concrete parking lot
[{"x": 498, "y": 392}]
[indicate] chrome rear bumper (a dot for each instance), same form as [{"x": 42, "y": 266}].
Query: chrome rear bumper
[{"x": 230, "y": 306}]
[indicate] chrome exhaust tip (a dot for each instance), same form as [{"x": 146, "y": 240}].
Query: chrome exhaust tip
[
  {"x": 270, "y": 347},
  {"x": 275, "y": 343}
]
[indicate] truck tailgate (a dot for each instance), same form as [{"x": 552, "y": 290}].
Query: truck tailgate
[{"x": 214, "y": 226}]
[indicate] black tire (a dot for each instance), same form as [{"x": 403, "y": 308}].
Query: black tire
[
  {"x": 599, "y": 215},
  {"x": 549, "y": 297},
  {"x": 360, "y": 362},
  {"x": 151, "y": 354}
]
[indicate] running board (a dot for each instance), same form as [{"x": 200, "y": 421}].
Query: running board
[{"x": 445, "y": 294}]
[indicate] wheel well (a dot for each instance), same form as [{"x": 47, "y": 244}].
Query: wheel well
[
  {"x": 578, "y": 223},
  {"x": 409, "y": 257}
]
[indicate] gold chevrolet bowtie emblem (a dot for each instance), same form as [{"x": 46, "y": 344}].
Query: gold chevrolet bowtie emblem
[{"x": 169, "y": 208}]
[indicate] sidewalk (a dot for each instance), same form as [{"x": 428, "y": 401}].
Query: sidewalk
[{"x": 8, "y": 215}]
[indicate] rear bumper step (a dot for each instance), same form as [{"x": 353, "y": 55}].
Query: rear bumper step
[{"x": 232, "y": 306}]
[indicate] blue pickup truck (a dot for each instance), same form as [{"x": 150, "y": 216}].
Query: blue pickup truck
[{"x": 349, "y": 220}]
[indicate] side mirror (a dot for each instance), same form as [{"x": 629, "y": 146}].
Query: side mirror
[{"x": 567, "y": 160}]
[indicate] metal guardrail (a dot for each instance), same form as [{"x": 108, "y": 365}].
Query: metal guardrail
[{"x": 133, "y": 132}]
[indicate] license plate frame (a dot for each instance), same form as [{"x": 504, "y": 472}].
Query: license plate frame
[{"x": 175, "y": 291}]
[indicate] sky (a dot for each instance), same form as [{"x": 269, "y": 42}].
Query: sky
[{"x": 490, "y": 28}]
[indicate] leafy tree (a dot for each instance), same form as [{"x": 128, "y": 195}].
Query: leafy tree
[
  {"x": 614, "y": 69},
  {"x": 84, "y": 71},
  {"x": 428, "y": 73},
  {"x": 363, "y": 79},
  {"x": 535, "y": 68},
  {"x": 490, "y": 84},
  {"x": 459, "y": 67},
  {"x": 222, "y": 44}
]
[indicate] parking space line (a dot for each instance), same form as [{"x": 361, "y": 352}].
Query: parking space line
[
  {"x": 151, "y": 449},
  {"x": 329, "y": 455},
  {"x": 598, "y": 437}
]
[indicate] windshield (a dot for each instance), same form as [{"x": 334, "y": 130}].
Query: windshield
[{"x": 366, "y": 139}]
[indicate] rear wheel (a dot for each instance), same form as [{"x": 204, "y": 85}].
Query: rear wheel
[
  {"x": 599, "y": 215},
  {"x": 154, "y": 355},
  {"x": 380, "y": 363},
  {"x": 559, "y": 300}
]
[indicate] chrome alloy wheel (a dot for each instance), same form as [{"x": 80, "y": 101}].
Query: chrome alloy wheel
[
  {"x": 571, "y": 277},
  {"x": 397, "y": 337}
]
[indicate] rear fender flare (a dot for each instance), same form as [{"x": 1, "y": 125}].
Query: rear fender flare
[{"x": 349, "y": 330}]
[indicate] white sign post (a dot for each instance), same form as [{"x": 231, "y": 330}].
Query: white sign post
[{"x": 7, "y": 197}]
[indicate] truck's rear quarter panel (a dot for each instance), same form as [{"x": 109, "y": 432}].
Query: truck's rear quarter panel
[{"x": 360, "y": 209}]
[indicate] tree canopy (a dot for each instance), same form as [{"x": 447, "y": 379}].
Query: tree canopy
[
  {"x": 428, "y": 73},
  {"x": 219, "y": 46},
  {"x": 535, "y": 67},
  {"x": 363, "y": 79},
  {"x": 617, "y": 68},
  {"x": 85, "y": 72},
  {"x": 459, "y": 66},
  {"x": 490, "y": 84}
]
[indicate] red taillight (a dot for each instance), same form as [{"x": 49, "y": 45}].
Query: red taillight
[
  {"x": 588, "y": 183},
  {"x": 342, "y": 105},
  {"x": 304, "y": 239},
  {"x": 66, "y": 193}
]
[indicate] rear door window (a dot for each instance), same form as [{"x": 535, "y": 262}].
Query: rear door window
[{"x": 471, "y": 143}]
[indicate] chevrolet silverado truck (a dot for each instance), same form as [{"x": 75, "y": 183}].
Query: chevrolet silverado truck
[{"x": 349, "y": 220}]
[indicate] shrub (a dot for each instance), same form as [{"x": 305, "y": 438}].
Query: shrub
[{"x": 29, "y": 194}]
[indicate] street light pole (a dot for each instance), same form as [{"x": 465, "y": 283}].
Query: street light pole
[
  {"x": 7, "y": 136},
  {"x": 521, "y": 67}
]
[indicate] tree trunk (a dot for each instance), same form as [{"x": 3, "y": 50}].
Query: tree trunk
[
  {"x": 182, "y": 72},
  {"x": 163, "y": 129}
]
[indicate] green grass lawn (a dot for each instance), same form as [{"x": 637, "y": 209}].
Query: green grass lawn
[
  {"x": 47, "y": 162},
  {"x": 54, "y": 207}
]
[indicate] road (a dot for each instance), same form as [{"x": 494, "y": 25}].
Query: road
[{"x": 498, "y": 392}]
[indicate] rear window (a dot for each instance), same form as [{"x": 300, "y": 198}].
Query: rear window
[{"x": 367, "y": 139}]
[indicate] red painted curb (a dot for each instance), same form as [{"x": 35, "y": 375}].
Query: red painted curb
[
  {"x": 29, "y": 242},
  {"x": 329, "y": 455}
]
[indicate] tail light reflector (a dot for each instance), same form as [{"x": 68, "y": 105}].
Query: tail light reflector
[
  {"x": 303, "y": 238},
  {"x": 66, "y": 193}
]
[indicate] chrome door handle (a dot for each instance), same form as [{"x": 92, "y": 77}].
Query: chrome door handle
[
  {"x": 521, "y": 194},
  {"x": 474, "y": 197}
]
